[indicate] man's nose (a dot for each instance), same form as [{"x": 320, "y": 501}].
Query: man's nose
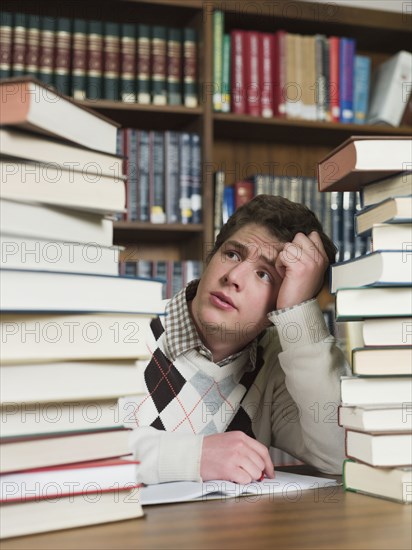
[{"x": 237, "y": 275}]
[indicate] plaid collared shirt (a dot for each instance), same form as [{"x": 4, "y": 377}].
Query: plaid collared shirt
[{"x": 181, "y": 333}]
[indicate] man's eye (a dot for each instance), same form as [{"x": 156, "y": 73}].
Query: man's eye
[
  {"x": 264, "y": 276},
  {"x": 232, "y": 255}
]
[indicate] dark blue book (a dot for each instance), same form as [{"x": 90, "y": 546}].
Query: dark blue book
[
  {"x": 346, "y": 69},
  {"x": 196, "y": 178},
  {"x": 185, "y": 201}
]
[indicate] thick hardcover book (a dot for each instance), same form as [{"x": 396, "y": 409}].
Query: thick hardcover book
[
  {"x": 172, "y": 181},
  {"x": 196, "y": 177},
  {"x": 361, "y": 160},
  {"x": 279, "y": 72},
  {"x": 29, "y": 104},
  {"x": 111, "y": 61},
  {"x": 393, "y": 210},
  {"x": 244, "y": 192},
  {"x": 218, "y": 28},
  {"x": 253, "y": 87},
  {"x": 347, "y": 48},
  {"x": 63, "y": 55},
  {"x": 143, "y": 64},
  {"x": 185, "y": 201},
  {"x": 157, "y": 178},
  {"x": 387, "y": 331},
  {"x": 382, "y": 361},
  {"x": 357, "y": 303},
  {"x": 95, "y": 62},
  {"x": 174, "y": 63},
  {"x": 47, "y": 50},
  {"x": 391, "y": 236},
  {"x": 143, "y": 163},
  {"x": 226, "y": 85},
  {"x": 375, "y": 418},
  {"x": 334, "y": 80},
  {"x": 219, "y": 184},
  {"x": 380, "y": 268},
  {"x": 238, "y": 82},
  {"x": 19, "y": 44},
  {"x": 266, "y": 74},
  {"x": 79, "y": 59},
  {"x": 373, "y": 390},
  {"x": 158, "y": 64},
  {"x": 391, "y": 90},
  {"x": 389, "y": 483},
  {"x": 394, "y": 186},
  {"x": 128, "y": 63},
  {"x": 190, "y": 67},
  {"x": 362, "y": 77},
  {"x": 6, "y": 43},
  {"x": 380, "y": 449},
  {"x": 32, "y": 46},
  {"x": 131, "y": 145}
]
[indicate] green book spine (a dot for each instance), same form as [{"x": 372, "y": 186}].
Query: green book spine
[
  {"x": 6, "y": 34},
  {"x": 218, "y": 24},
  {"x": 190, "y": 67},
  {"x": 19, "y": 44},
  {"x": 158, "y": 76},
  {"x": 47, "y": 49},
  {"x": 79, "y": 59},
  {"x": 128, "y": 63},
  {"x": 174, "y": 66},
  {"x": 143, "y": 64},
  {"x": 226, "y": 74},
  {"x": 111, "y": 61},
  {"x": 94, "y": 82},
  {"x": 63, "y": 55}
]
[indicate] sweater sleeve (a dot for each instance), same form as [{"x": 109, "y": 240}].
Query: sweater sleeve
[{"x": 307, "y": 395}]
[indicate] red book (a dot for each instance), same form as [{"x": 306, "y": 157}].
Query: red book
[
  {"x": 334, "y": 77},
  {"x": 279, "y": 73},
  {"x": 266, "y": 73},
  {"x": 244, "y": 192},
  {"x": 252, "y": 81},
  {"x": 238, "y": 88}
]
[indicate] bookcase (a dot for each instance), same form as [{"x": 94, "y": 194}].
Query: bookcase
[{"x": 237, "y": 144}]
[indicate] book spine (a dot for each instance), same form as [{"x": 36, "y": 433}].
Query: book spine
[
  {"x": 158, "y": 76},
  {"x": 196, "y": 178},
  {"x": 79, "y": 59},
  {"x": 334, "y": 80},
  {"x": 226, "y": 56},
  {"x": 157, "y": 184},
  {"x": 326, "y": 75},
  {"x": 32, "y": 46},
  {"x": 111, "y": 61},
  {"x": 238, "y": 88},
  {"x": 228, "y": 205},
  {"x": 279, "y": 73},
  {"x": 219, "y": 184},
  {"x": 174, "y": 62},
  {"x": 336, "y": 222},
  {"x": 321, "y": 82},
  {"x": 172, "y": 176},
  {"x": 362, "y": 73},
  {"x": 266, "y": 73},
  {"x": 143, "y": 175},
  {"x": 123, "y": 148},
  {"x": 185, "y": 203},
  {"x": 94, "y": 81},
  {"x": 128, "y": 63},
  {"x": 346, "y": 66},
  {"x": 63, "y": 55},
  {"x": 218, "y": 24},
  {"x": 190, "y": 67},
  {"x": 143, "y": 64},
  {"x": 244, "y": 192},
  {"x": 6, "y": 42},
  {"x": 47, "y": 49},
  {"x": 132, "y": 154},
  {"x": 121, "y": 151},
  {"x": 19, "y": 44},
  {"x": 252, "y": 81},
  {"x": 348, "y": 233}
]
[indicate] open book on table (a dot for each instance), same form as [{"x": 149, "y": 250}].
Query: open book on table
[{"x": 285, "y": 484}]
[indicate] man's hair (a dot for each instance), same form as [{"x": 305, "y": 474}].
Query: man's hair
[{"x": 281, "y": 217}]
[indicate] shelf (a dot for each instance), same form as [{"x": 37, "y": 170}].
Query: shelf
[{"x": 244, "y": 127}]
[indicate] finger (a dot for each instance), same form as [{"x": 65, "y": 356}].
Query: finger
[
  {"x": 315, "y": 238},
  {"x": 263, "y": 453}
]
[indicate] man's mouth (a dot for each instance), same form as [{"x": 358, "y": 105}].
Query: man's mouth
[{"x": 221, "y": 300}]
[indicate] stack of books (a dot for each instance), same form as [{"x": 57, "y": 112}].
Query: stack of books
[
  {"x": 375, "y": 291},
  {"x": 72, "y": 330}
]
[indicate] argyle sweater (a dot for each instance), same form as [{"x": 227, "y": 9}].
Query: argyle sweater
[{"x": 283, "y": 390}]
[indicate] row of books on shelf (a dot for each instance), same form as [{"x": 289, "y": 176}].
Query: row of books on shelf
[
  {"x": 175, "y": 274},
  {"x": 134, "y": 63},
  {"x": 374, "y": 307},
  {"x": 67, "y": 318},
  {"x": 310, "y": 77},
  {"x": 335, "y": 210},
  {"x": 163, "y": 175}
]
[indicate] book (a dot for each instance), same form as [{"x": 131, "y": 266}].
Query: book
[
  {"x": 111, "y": 60},
  {"x": 379, "y": 449},
  {"x": 95, "y": 60},
  {"x": 396, "y": 331},
  {"x": 375, "y": 418},
  {"x": 28, "y": 146},
  {"x": 376, "y": 390},
  {"x": 391, "y": 89},
  {"x": 237, "y": 76},
  {"x": 358, "y": 303},
  {"x": 393, "y": 210},
  {"x": 190, "y": 69},
  {"x": 116, "y": 377},
  {"x": 380, "y": 268},
  {"x": 36, "y": 220},
  {"x": 393, "y": 186},
  {"x": 382, "y": 361},
  {"x": 362, "y": 74},
  {"x": 158, "y": 65},
  {"x": 69, "y": 512},
  {"x": 128, "y": 63},
  {"x": 54, "y": 417},
  {"x": 391, "y": 236},
  {"x": 185, "y": 491},
  {"x": 347, "y": 47},
  {"x": 32, "y": 105},
  {"x": 218, "y": 29},
  {"x": 174, "y": 66},
  {"x": 27, "y": 453},
  {"x": 54, "y": 291},
  {"x": 251, "y": 62},
  {"x": 70, "y": 257},
  {"x": 361, "y": 160},
  {"x": 390, "y": 483},
  {"x": 50, "y": 184}
]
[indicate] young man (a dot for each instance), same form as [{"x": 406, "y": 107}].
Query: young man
[{"x": 243, "y": 359}]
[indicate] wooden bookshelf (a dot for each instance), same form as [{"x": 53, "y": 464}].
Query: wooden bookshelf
[{"x": 229, "y": 141}]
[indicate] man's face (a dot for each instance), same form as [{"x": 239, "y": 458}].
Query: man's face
[{"x": 239, "y": 287}]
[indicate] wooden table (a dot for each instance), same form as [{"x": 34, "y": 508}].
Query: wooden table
[{"x": 316, "y": 519}]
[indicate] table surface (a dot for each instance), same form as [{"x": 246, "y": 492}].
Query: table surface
[{"x": 327, "y": 518}]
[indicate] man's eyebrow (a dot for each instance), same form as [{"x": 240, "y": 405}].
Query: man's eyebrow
[{"x": 244, "y": 249}]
